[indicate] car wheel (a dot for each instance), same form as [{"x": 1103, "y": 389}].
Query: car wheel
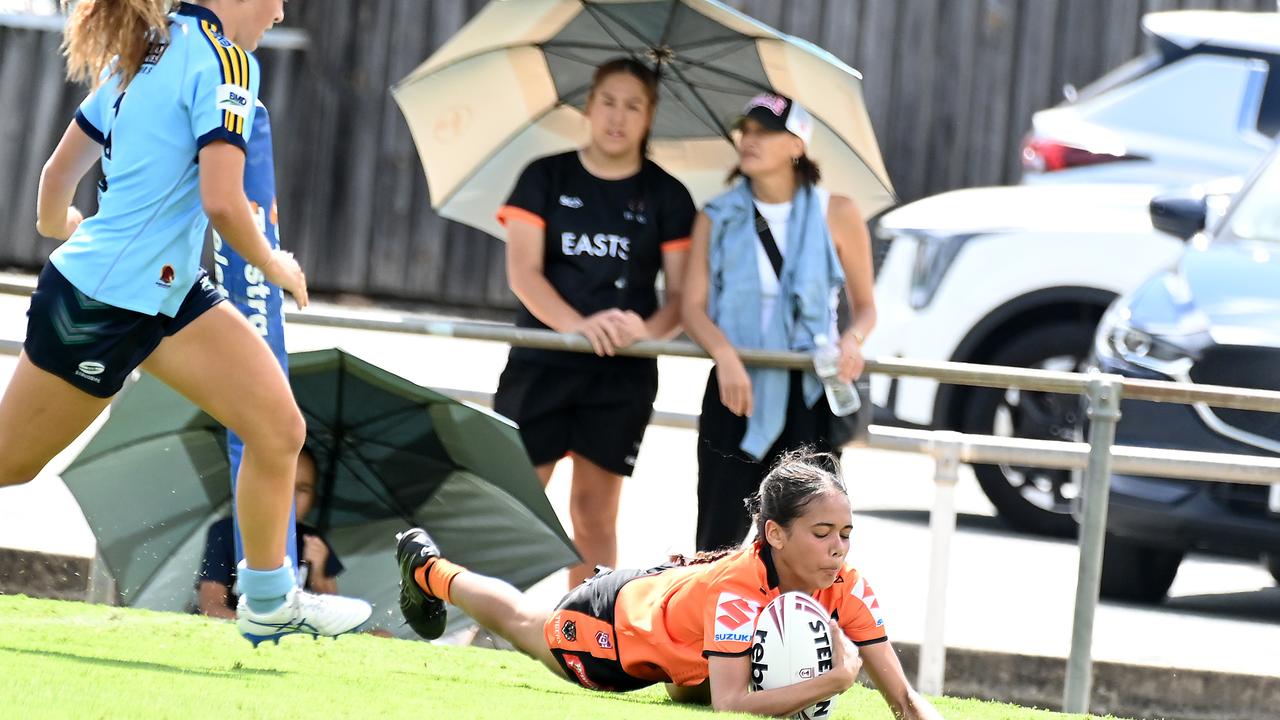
[
  {"x": 1032, "y": 499},
  {"x": 1137, "y": 573}
]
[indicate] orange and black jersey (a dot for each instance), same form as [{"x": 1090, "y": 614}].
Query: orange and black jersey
[
  {"x": 667, "y": 623},
  {"x": 603, "y": 239}
]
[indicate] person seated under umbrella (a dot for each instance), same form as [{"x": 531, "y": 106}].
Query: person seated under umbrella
[{"x": 318, "y": 569}]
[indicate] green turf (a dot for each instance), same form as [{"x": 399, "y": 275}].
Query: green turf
[{"x": 72, "y": 660}]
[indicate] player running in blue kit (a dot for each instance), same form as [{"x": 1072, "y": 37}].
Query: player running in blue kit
[{"x": 170, "y": 116}]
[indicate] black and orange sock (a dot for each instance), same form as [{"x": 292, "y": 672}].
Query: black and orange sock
[{"x": 436, "y": 578}]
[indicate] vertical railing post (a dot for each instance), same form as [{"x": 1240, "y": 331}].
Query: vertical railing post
[
  {"x": 942, "y": 527},
  {"x": 1104, "y": 412}
]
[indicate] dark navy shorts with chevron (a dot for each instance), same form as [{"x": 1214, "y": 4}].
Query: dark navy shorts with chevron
[{"x": 92, "y": 345}]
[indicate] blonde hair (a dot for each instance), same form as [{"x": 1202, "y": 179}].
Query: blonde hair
[{"x": 100, "y": 31}]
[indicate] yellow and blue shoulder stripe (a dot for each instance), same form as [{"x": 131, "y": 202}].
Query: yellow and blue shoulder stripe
[{"x": 235, "y": 73}]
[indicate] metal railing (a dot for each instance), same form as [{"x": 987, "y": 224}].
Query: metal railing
[
  {"x": 948, "y": 449},
  {"x": 279, "y": 38},
  {"x": 1103, "y": 393}
]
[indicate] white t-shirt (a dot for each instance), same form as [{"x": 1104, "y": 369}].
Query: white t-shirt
[{"x": 776, "y": 215}]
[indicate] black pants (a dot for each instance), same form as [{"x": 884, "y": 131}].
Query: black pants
[{"x": 727, "y": 475}]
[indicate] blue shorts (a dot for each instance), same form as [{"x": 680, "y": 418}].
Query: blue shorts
[{"x": 92, "y": 345}]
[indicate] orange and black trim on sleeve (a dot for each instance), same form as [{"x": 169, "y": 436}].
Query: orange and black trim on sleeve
[
  {"x": 677, "y": 244},
  {"x": 507, "y": 213}
]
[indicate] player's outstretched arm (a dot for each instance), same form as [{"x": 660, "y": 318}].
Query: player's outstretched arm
[
  {"x": 75, "y": 154},
  {"x": 886, "y": 672}
]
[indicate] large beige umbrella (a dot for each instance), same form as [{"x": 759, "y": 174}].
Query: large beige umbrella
[{"x": 512, "y": 84}]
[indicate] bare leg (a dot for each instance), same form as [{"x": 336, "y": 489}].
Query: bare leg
[
  {"x": 593, "y": 506},
  {"x": 39, "y": 416},
  {"x": 502, "y": 609},
  {"x": 220, "y": 364}
]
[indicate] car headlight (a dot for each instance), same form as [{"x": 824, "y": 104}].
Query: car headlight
[
  {"x": 934, "y": 256},
  {"x": 1119, "y": 339}
]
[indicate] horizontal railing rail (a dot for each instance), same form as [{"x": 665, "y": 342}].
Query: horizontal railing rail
[{"x": 1097, "y": 458}]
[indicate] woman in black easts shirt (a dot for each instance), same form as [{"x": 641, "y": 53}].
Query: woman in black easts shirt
[{"x": 587, "y": 233}]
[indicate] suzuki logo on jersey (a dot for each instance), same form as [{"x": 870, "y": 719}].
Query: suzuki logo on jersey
[
  {"x": 735, "y": 617},
  {"x": 233, "y": 99},
  {"x": 570, "y": 201},
  {"x": 863, "y": 592},
  {"x": 598, "y": 245}
]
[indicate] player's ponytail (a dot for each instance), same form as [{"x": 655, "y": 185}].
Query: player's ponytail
[
  {"x": 99, "y": 31},
  {"x": 793, "y": 482}
]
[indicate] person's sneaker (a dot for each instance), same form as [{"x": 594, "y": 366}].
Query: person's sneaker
[
  {"x": 302, "y": 613},
  {"x": 425, "y": 613}
]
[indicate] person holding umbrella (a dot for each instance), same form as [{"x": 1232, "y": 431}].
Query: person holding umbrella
[
  {"x": 216, "y": 582},
  {"x": 587, "y": 233},
  {"x": 169, "y": 115},
  {"x": 769, "y": 257}
]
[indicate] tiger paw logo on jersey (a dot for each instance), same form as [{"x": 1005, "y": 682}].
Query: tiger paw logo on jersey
[
  {"x": 166, "y": 277},
  {"x": 735, "y": 618},
  {"x": 862, "y": 590}
]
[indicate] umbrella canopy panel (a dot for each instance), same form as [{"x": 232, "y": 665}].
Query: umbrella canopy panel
[
  {"x": 389, "y": 453},
  {"x": 512, "y": 86}
]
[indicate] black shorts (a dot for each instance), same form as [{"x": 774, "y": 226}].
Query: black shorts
[
  {"x": 727, "y": 475},
  {"x": 599, "y": 414},
  {"x": 581, "y": 635},
  {"x": 92, "y": 345}
]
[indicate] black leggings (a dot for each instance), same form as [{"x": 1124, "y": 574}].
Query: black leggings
[{"x": 727, "y": 475}]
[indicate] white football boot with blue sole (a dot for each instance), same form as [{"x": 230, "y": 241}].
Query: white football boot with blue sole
[{"x": 303, "y": 613}]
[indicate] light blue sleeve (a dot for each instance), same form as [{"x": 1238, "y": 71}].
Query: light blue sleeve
[
  {"x": 223, "y": 97},
  {"x": 95, "y": 112}
]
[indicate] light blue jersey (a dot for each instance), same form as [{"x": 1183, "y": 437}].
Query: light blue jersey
[{"x": 141, "y": 251}]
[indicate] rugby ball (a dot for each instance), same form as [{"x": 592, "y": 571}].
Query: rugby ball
[{"x": 793, "y": 643}]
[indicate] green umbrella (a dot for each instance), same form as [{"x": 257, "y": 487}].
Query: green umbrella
[{"x": 389, "y": 454}]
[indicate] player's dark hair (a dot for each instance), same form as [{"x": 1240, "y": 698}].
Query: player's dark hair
[
  {"x": 807, "y": 172},
  {"x": 799, "y": 477},
  {"x": 646, "y": 75},
  {"x": 100, "y": 31},
  {"x": 700, "y": 558}
]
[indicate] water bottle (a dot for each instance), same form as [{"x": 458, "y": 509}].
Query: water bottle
[{"x": 841, "y": 396}]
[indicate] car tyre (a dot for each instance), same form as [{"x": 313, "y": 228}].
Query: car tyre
[
  {"x": 1137, "y": 573},
  {"x": 1031, "y": 499},
  {"x": 1273, "y": 566}
]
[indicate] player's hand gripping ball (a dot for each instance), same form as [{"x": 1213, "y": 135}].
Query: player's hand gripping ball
[{"x": 793, "y": 643}]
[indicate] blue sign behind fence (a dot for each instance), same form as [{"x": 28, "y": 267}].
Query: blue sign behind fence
[{"x": 244, "y": 285}]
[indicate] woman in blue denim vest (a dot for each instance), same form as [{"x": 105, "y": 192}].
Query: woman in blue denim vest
[{"x": 768, "y": 261}]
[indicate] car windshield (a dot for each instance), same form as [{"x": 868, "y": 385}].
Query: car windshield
[
  {"x": 1126, "y": 73},
  {"x": 1256, "y": 216}
]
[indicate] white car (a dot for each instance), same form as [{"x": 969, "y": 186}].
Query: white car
[
  {"x": 1203, "y": 103},
  {"x": 1007, "y": 276}
]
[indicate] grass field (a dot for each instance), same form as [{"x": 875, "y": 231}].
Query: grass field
[{"x": 71, "y": 660}]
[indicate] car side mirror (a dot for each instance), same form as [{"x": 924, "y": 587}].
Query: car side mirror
[{"x": 1178, "y": 215}]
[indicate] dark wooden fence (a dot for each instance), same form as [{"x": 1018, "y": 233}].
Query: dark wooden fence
[{"x": 950, "y": 86}]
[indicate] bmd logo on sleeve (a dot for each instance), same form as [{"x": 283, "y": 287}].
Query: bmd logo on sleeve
[
  {"x": 735, "y": 618},
  {"x": 234, "y": 99}
]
